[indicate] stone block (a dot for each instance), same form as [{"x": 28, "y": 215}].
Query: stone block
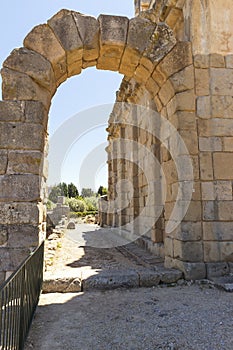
[
  {"x": 201, "y": 61},
  {"x": 215, "y": 127},
  {"x": 21, "y": 213},
  {"x": 43, "y": 40},
  {"x": 65, "y": 29},
  {"x": 139, "y": 32},
  {"x": 228, "y": 144},
  {"x": 152, "y": 86},
  {"x": 35, "y": 113},
  {"x": 210, "y": 144},
  {"x": 11, "y": 258},
  {"x": 203, "y": 107},
  {"x": 191, "y": 270},
  {"x": 206, "y": 166},
  {"x": 183, "y": 80},
  {"x": 209, "y": 210},
  {"x": 11, "y": 111},
  {"x": 166, "y": 93},
  {"x": 221, "y": 81},
  {"x": 113, "y": 36},
  {"x": 222, "y": 106},
  {"x": 190, "y": 139},
  {"x": 3, "y": 235},
  {"x": 19, "y": 86},
  {"x": 217, "y": 60},
  {"x": 186, "y": 120},
  {"x": 225, "y": 210},
  {"x": 20, "y": 188},
  {"x": 229, "y": 61},
  {"x": 218, "y": 251},
  {"x": 217, "y": 269},
  {"x": 202, "y": 81},
  {"x": 168, "y": 247},
  {"x": 30, "y": 162},
  {"x": 34, "y": 65},
  {"x": 26, "y": 236},
  {"x": 223, "y": 190},
  {"x": 159, "y": 77},
  {"x": 3, "y": 162},
  {"x": 89, "y": 30},
  {"x": 188, "y": 231},
  {"x": 223, "y": 165},
  {"x": 172, "y": 63},
  {"x": 188, "y": 251},
  {"x": 217, "y": 231},
  {"x": 186, "y": 101},
  {"x": 142, "y": 74},
  {"x": 148, "y": 278},
  {"x": 24, "y": 136},
  {"x": 193, "y": 212}
]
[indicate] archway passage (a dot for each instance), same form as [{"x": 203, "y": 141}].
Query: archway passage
[{"x": 163, "y": 71}]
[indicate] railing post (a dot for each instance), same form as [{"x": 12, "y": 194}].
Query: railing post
[{"x": 22, "y": 306}]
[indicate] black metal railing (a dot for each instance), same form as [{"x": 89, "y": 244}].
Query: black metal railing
[{"x": 19, "y": 297}]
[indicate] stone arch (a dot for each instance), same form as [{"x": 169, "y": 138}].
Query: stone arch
[{"x": 53, "y": 52}]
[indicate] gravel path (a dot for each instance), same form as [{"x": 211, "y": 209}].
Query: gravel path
[{"x": 195, "y": 317}]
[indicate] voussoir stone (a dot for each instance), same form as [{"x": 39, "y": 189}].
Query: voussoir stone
[
  {"x": 65, "y": 29},
  {"x": 18, "y": 86},
  {"x": 113, "y": 36},
  {"x": 89, "y": 30},
  {"x": 139, "y": 34},
  {"x": 33, "y": 64},
  {"x": 43, "y": 40}
]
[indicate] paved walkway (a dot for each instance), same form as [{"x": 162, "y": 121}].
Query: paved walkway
[{"x": 101, "y": 317}]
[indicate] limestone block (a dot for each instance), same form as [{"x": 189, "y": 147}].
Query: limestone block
[
  {"x": 193, "y": 212},
  {"x": 88, "y": 28},
  {"x": 25, "y": 136},
  {"x": 173, "y": 17},
  {"x": 217, "y": 231},
  {"x": 215, "y": 127},
  {"x": 152, "y": 86},
  {"x": 210, "y": 144},
  {"x": 142, "y": 74},
  {"x": 222, "y": 106},
  {"x": 229, "y": 61},
  {"x": 21, "y": 213},
  {"x": 3, "y": 162},
  {"x": 202, "y": 82},
  {"x": 168, "y": 246},
  {"x": 139, "y": 34},
  {"x": 186, "y": 101},
  {"x": 35, "y": 113},
  {"x": 159, "y": 77},
  {"x": 113, "y": 36},
  {"x": 203, "y": 107},
  {"x": 34, "y": 65},
  {"x": 188, "y": 231},
  {"x": 188, "y": 251},
  {"x": 26, "y": 236},
  {"x": 183, "y": 80},
  {"x": 11, "y": 111},
  {"x": 218, "y": 251},
  {"x": 20, "y": 188},
  {"x": 223, "y": 190},
  {"x": 177, "y": 59},
  {"x": 25, "y": 162},
  {"x": 186, "y": 120},
  {"x": 228, "y": 144},
  {"x": 11, "y": 258},
  {"x": 201, "y": 61},
  {"x": 166, "y": 92},
  {"x": 217, "y": 269},
  {"x": 19, "y": 86},
  {"x": 223, "y": 165},
  {"x": 3, "y": 234},
  {"x": 225, "y": 210},
  {"x": 221, "y": 81},
  {"x": 65, "y": 29},
  {"x": 42, "y": 40},
  {"x": 192, "y": 271},
  {"x": 217, "y": 60},
  {"x": 190, "y": 139},
  {"x": 209, "y": 210},
  {"x": 206, "y": 166}
]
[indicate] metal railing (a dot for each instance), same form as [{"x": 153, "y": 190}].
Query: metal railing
[{"x": 19, "y": 296}]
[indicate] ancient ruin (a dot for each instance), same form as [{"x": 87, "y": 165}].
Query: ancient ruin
[{"x": 177, "y": 59}]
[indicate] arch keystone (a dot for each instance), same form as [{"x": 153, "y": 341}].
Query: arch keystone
[
  {"x": 65, "y": 29},
  {"x": 89, "y": 30},
  {"x": 42, "y": 40},
  {"x": 113, "y": 36}
]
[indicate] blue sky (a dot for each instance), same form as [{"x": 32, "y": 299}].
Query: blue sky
[{"x": 91, "y": 88}]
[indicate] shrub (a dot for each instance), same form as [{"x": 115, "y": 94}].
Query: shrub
[{"x": 76, "y": 205}]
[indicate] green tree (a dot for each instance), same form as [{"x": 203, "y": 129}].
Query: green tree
[
  {"x": 76, "y": 205},
  {"x": 54, "y": 193},
  {"x": 64, "y": 189},
  {"x": 72, "y": 191},
  {"x": 87, "y": 192},
  {"x": 102, "y": 191}
]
